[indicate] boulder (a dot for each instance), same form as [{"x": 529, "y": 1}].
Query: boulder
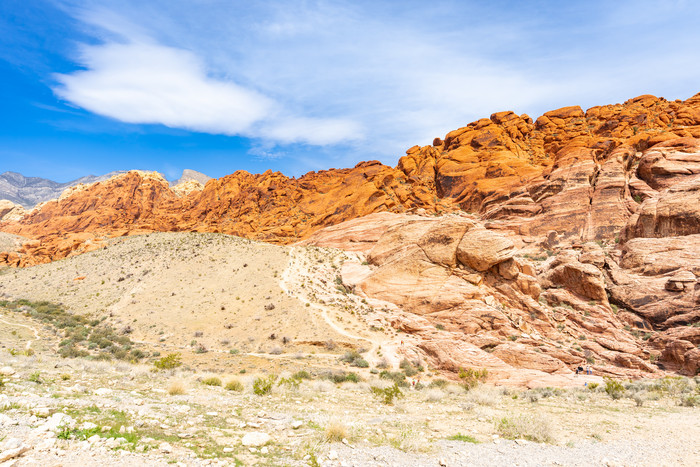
[
  {"x": 480, "y": 249},
  {"x": 255, "y": 439}
]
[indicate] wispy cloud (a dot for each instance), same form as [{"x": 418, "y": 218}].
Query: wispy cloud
[{"x": 373, "y": 77}]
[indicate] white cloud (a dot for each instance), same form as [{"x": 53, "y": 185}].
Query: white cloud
[{"x": 147, "y": 83}]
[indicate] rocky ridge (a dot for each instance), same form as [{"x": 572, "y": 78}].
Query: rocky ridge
[{"x": 574, "y": 172}]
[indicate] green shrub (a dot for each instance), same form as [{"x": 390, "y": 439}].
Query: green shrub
[
  {"x": 387, "y": 395},
  {"x": 342, "y": 377},
  {"x": 593, "y": 386},
  {"x": 263, "y": 386},
  {"x": 168, "y": 362},
  {"x": 471, "y": 378},
  {"x": 301, "y": 374},
  {"x": 212, "y": 381},
  {"x": 437, "y": 383},
  {"x": 672, "y": 385},
  {"x": 360, "y": 363},
  {"x": 689, "y": 401},
  {"x": 234, "y": 385},
  {"x": 614, "y": 388},
  {"x": 465, "y": 438},
  {"x": 354, "y": 358},
  {"x": 35, "y": 378},
  {"x": 397, "y": 377},
  {"x": 408, "y": 368},
  {"x": 291, "y": 382}
]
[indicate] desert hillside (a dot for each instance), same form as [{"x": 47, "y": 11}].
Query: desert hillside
[{"x": 208, "y": 349}]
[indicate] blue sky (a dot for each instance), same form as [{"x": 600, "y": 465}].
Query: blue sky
[{"x": 87, "y": 87}]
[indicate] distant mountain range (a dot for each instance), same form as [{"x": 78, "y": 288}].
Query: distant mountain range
[
  {"x": 191, "y": 175},
  {"x": 30, "y": 191}
]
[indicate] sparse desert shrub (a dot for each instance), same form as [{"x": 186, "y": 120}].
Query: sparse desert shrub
[
  {"x": 614, "y": 388},
  {"x": 638, "y": 399},
  {"x": 234, "y": 385},
  {"x": 408, "y": 368},
  {"x": 397, "y": 377},
  {"x": 335, "y": 432},
  {"x": 276, "y": 351},
  {"x": 483, "y": 396},
  {"x": 672, "y": 385},
  {"x": 35, "y": 378},
  {"x": 341, "y": 377},
  {"x": 176, "y": 388},
  {"x": 593, "y": 386},
  {"x": 212, "y": 381},
  {"x": 438, "y": 383},
  {"x": 408, "y": 440},
  {"x": 689, "y": 401},
  {"x": 354, "y": 358},
  {"x": 291, "y": 383},
  {"x": 65, "y": 376},
  {"x": 530, "y": 428},
  {"x": 434, "y": 395},
  {"x": 387, "y": 395},
  {"x": 383, "y": 364},
  {"x": 170, "y": 361},
  {"x": 471, "y": 377},
  {"x": 323, "y": 386},
  {"x": 263, "y": 386},
  {"x": 301, "y": 374}
]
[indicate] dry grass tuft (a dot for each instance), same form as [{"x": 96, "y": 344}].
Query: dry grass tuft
[
  {"x": 484, "y": 395},
  {"x": 527, "y": 427},
  {"x": 234, "y": 385},
  {"x": 335, "y": 431},
  {"x": 176, "y": 388},
  {"x": 434, "y": 395}
]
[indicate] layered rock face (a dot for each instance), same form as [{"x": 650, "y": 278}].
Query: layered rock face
[{"x": 477, "y": 299}]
